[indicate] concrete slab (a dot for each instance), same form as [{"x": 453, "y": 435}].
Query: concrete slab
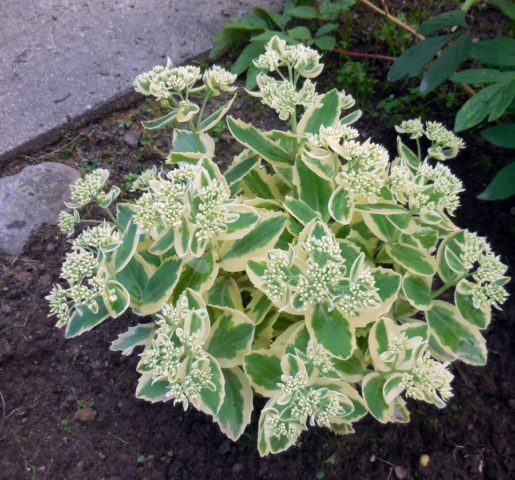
[{"x": 63, "y": 59}]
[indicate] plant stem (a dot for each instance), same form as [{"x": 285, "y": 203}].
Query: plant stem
[
  {"x": 112, "y": 217},
  {"x": 202, "y": 108},
  {"x": 375, "y": 56},
  {"x": 442, "y": 289},
  {"x": 411, "y": 30}
]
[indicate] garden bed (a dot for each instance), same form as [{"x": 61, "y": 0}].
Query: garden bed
[{"x": 45, "y": 380}]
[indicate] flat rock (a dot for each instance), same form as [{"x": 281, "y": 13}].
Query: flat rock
[{"x": 30, "y": 198}]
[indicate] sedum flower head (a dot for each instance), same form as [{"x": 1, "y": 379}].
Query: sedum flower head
[
  {"x": 446, "y": 144},
  {"x": 414, "y": 128},
  {"x": 59, "y": 307},
  {"x": 332, "y": 135},
  {"x": 144, "y": 179},
  {"x": 218, "y": 80},
  {"x": 89, "y": 188},
  {"x": 429, "y": 381},
  {"x": 78, "y": 265},
  {"x": 67, "y": 223},
  {"x": 96, "y": 237},
  {"x": 161, "y": 82}
]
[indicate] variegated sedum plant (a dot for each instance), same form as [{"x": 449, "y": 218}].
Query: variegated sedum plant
[{"x": 317, "y": 271}]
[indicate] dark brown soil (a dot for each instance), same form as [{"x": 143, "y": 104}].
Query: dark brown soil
[{"x": 45, "y": 380}]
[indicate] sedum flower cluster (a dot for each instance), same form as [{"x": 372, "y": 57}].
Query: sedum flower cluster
[{"x": 319, "y": 270}]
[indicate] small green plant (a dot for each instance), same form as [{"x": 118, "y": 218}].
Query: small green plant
[
  {"x": 315, "y": 271},
  {"x": 66, "y": 426},
  {"x": 354, "y": 76},
  {"x": 249, "y": 34}
]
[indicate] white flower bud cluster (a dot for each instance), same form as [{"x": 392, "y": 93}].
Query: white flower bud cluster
[
  {"x": 89, "y": 188},
  {"x": 427, "y": 189},
  {"x": 318, "y": 283},
  {"x": 185, "y": 173},
  {"x": 364, "y": 174},
  {"x": 332, "y": 135},
  {"x": 305, "y": 60},
  {"x": 445, "y": 144},
  {"x": 360, "y": 295},
  {"x": 276, "y": 274},
  {"x": 163, "y": 358},
  {"x": 97, "y": 237},
  {"x": 79, "y": 264},
  {"x": 414, "y": 128},
  {"x": 319, "y": 357},
  {"x": 218, "y": 80},
  {"x": 162, "y": 82},
  {"x": 211, "y": 218},
  {"x": 275, "y": 426},
  {"x": 283, "y": 97},
  {"x": 177, "y": 354},
  {"x": 144, "y": 179},
  {"x": 488, "y": 290},
  {"x": 473, "y": 248},
  {"x": 59, "y": 307},
  {"x": 188, "y": 389},
  {"x": 67, "y": 223},
  {"x": 324, "y": 247},
  {"x": 429, "y": 381}
]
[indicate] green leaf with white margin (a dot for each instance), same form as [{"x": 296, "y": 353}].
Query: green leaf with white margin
[
  {"x": 163, "y": 243},
  {"x": 231, "y": 337},
  {"x": 160, "y": 286},
  {"x": 315, "y": 191},
  {"x": 134, "y": 277},
  {"x": 324, "y": 114},
  {"x": 372, "y": 388},
  {"x": 245, "y": 218},
  {"x": 300, "y": 210},
  {"x": 160, "y": 122},
  {"x": 136, "y": 336},
  {"x": 152, "y": 391},
  {"x": 210, "y": 399},
  {"x": 412, "y": 259},
  {"x": 116, "y": 298},
  {"x": 331, "y": 330},
  {"x": 263, "y": 369},
  {"x": 381, "y": 227},
  {"x": 210, "y": 121},
  {"x": 381, "y": 208},
  {"x": 84, "y": 319},
  {"x": 234, "y": 254},
  {"x": 225, "y": 293},
  {"x": 241, "y": 166},
  {"x": 382, "y": 333},
  {"x": 252, "y": 138},
  {"x": 393, "y": 387},
  {"x": 455, "y": 336},
  {"x": 449, "y": 249},
  {"x": 199, "y": 274},
  {"x": 234, "y": 414},
  {"x": 417, "y": 291},
  {"x": 189, "y": 147},
  {"x": 127, "y": 247},
  {"x": 478, "y": 317},
  {"x": 341, "y": 205}
]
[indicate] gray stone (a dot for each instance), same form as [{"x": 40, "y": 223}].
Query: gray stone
[
  {"x": 30, "y": 198},
  {"x": 61, "y": 60}
]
